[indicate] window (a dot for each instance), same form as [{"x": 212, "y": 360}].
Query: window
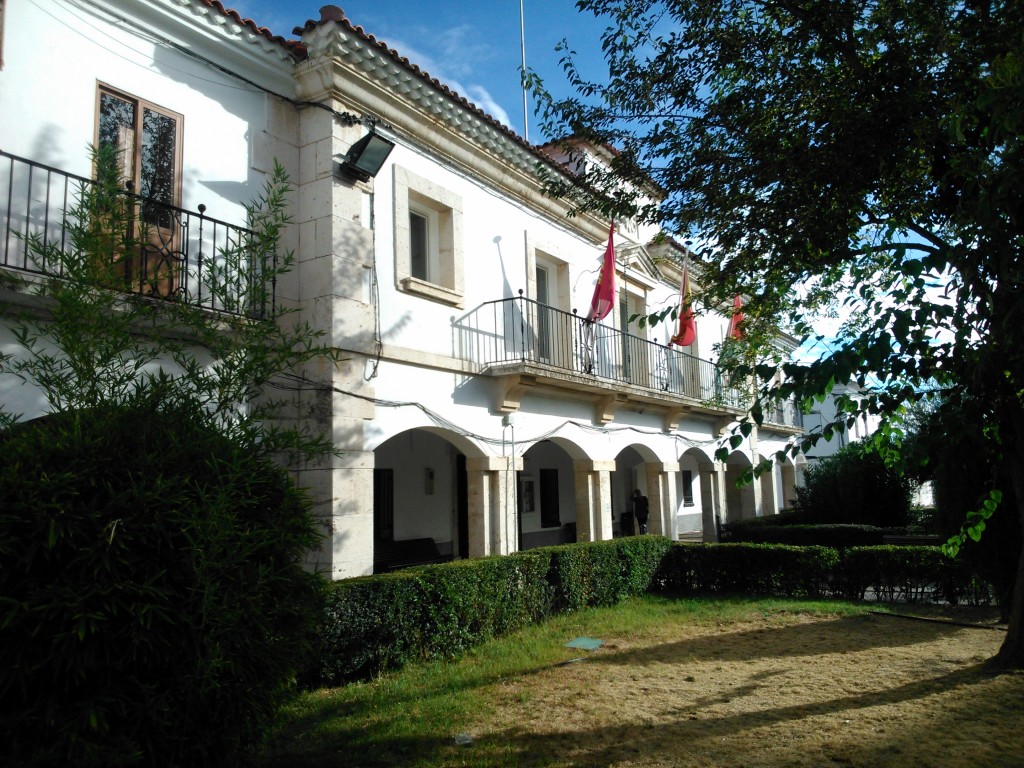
[
  {"x": 147, "y": 142},
  {"x": 687, "y": 488},
  {"x": 428, "y": 239},
  {"x": 419, "y": 245}
]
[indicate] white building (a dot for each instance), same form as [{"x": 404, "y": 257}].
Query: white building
[
  {"x": 826, "y": 412},
  {"x": 475, "y": 411}
]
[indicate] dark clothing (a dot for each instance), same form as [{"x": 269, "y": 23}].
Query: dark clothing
[{"x": 641, "y": 511}]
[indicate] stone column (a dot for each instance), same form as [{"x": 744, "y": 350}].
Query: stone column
[
  {"x": 334, "y": 247},
  {"x": 755, "y": 484},
  {"x": 493, "y": 515},
  {"x": 708, "y": 495},
  {"x": 721, "y": 504},
  {"x": 593, "y": 484},
  {"x": 662, "y": 498}
]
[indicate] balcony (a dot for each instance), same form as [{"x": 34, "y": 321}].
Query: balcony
[
  {"x": 173, "y": 254},
  {"x": 530, "y": 344},
  {"x": 525, "y": 344}
]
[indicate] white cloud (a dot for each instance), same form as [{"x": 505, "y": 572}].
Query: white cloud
[{"x": 457, "y": 59}]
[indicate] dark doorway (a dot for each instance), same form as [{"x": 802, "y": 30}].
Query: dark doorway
[
  {"x": 384, "y": 504},
  {"x": 462, "y": 504},
  {"x": 550, "y": 516}
]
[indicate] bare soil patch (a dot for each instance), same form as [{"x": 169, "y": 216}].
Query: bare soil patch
[{"x": 786, "y": 690}]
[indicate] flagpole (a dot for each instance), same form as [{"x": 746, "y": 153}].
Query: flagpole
[{"x": 522, "y": 81}]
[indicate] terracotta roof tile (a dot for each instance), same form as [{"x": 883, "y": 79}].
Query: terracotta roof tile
[
  {"x": 335, "y": 14},
  {"x": 295, "y": 47}
]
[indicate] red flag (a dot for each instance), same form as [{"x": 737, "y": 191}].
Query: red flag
[
  {"x": 604, "y": 291},
  {"x": 735, "y": 324},
  {"x": 687, "y": 333}
]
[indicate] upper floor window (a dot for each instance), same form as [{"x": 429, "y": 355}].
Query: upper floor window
[
  {"x": 428, "y": 239},
  {"x": 146, "y": 140}
]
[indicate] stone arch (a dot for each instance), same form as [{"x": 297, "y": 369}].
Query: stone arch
[
  {"x": 698, "y": 492},
  {"x": 740, "y": 500},
  {"x": 770, "y": 484},
  {"x": 546, "y": 494},
  {"x": 420, "y": 497},
  {"x": 791, "y": 473}
]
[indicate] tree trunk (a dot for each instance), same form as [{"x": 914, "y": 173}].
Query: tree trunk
[{"x": 1011, "y": 654}]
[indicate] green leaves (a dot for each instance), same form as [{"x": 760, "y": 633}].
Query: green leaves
[{"x": 975, "y": 523}]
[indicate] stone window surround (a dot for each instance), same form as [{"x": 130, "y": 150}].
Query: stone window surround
[{"x": 412, "y": 191}]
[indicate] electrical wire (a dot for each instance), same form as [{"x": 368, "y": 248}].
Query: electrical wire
[
  {"x": 147, "y": 34},
  {"x": 445, "y": 423}
]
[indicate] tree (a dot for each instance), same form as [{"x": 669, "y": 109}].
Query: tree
[
  {"x": 854, "y": 486},
  {"x": 861, "y": 148},
  {"x": 155, "y": 600},
  {"x": 90, "y": 338},
  {"x": 948, "y": 446}
]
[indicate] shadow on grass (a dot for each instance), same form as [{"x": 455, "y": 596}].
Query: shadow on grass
[
  {"x": 842, "y": 635},
  {"x": 698, "y": 736},
  {"x": 357, "y": 725}
]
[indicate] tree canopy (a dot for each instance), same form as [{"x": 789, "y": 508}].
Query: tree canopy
[{"x": 815, "y": 149}]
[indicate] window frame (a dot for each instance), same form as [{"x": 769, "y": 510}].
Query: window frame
[
  {"x": 687, "y": 489},
  {"x": 442, "y": 210},
  {"x": 141, "y": 105}
]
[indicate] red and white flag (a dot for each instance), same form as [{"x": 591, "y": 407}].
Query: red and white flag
[
  {"x": 687, "y": 333},
  {"x": 604, "y": 291},
  {"x": 736, "y": 323}
]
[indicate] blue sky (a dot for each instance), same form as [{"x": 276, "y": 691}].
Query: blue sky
[{"x": 473, "y": 46}]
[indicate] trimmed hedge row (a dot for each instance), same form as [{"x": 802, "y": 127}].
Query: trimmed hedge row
[
  {"x": 376, "y": 623},
  {"x": 834, "y": 535},
  {"x": 381, "y": 622},
  {"x": 753, "y": 569},
  {"x": 886, "y": 573}
]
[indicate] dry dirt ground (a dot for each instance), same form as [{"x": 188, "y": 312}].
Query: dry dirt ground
[{"x": 780, "y": 691}]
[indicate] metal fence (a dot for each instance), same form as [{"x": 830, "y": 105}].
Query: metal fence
[
  {"x": 174, "y": 254},
  {"x": 521, "y": 330}
]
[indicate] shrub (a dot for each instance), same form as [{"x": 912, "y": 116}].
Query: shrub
[
  {"x": 825, "y": 535},
  {"x": 854, "y": 486},
  {"x": 753, "y": 569},
  {"x": 381, "y": 622},
  {"x": 908, "y": 574},
  {"x": 155, "y": 608}
]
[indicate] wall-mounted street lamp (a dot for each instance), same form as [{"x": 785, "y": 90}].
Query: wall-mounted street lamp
[{"x": 366, "y": 156}]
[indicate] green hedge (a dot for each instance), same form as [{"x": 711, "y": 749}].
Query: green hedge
[
  {"x": 838, "y": 535},
  {"x": 909, "y": 574},
  {"x": 381, "y": 622},
  {"x": 376, "y": 623},
  {"x": 754, "y": 569}
]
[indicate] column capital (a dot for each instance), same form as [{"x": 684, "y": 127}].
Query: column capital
[
  {"x": 494, "y": 463},
  {"x": 586, "y": 465},
  {"x": 663, "y": 466}
]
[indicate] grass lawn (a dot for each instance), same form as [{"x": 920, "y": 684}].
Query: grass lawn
[{"x": 683, "y": 683}]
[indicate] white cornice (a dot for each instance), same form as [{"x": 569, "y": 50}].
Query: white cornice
[
  {"x": 203, "y": 30},
  {"x": 373, "y": 81}
]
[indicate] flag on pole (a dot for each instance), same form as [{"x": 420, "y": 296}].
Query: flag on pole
[
  {"x": 687, "y": 333},
  {"x": 604, "y": 291},
  {"x": 736, "y": 322}
]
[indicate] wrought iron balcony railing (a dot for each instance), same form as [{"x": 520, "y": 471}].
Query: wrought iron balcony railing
[
  {"x": 522, "y": 330},
  {"x": 173, "y": 254}
]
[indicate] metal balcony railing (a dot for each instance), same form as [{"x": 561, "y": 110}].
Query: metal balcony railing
[
  {"x": 174, "y": 254},
  {"x": 786, "y": 414},
  {"x": 521, "y": 330}
]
